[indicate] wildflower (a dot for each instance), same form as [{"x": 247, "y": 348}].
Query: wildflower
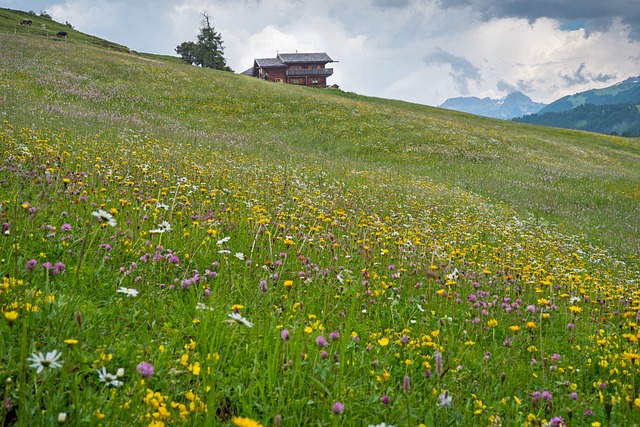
[
  {"x": 62, "y": 417},
  {"x": 338, "y": 408},
  {"x": 556, "y": 421},
  {"x": 145, "y": 369},
  {"x": 288, "y": 283},
  {"x": 163, "y": 227},
  {"x": 128, "y": 291},
  {"x": 245, "y": 422},
  {"x": 223, "y": 240},
  {"x": 105, "y": 216},
  {"x": 285, "y": 334},
  {"x": 201, "y": 306},
  {"x": 40, "y": 362},
  {"x": 383, "y": 341},
  {"x": 380, "y": 425},
  {"x": 11, "y": 316},
  {"x": 109, "y": 379},
  {"x": 438, "y": 357},
  {"x": 321, "y": 341},
  {"x": 70, "y": 341},
  {"x": 445, "y": 399},
  {"x": 237, "y": 318},
  {"x": 406, "y": 384},
  {"x": 31, "y": 264},
  {"x": 385, "y": 399},
  {"x": 239, "y": 255},
  {"x": 334, "y": 335}
]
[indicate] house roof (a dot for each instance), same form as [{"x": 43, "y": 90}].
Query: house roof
[
  {"x": 292, "y": 58},
  {"x": 269, "y": 62},
  {"x": 282, "y": 59}
]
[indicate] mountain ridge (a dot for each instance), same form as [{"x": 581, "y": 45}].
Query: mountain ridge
[{"x": 515, "y": 104}]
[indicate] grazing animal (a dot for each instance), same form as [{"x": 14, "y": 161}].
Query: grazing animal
[
  {"x": 61, "y": 34},
  {"x": 26, "y": 22}
]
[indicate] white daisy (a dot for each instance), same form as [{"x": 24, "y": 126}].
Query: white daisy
[
  {"x": 105, "y": 216},
  {"x": 223, "y": 240},
  {"x": 160, "y": 205},
  {"x": 109, "y": 379},
  {"x": 40, "y": 362},
  {"x": 239, "y": 255},
  {"x": 201, "y": 306},
  {"x": 237, "y": 318},
  {"x": 163, "y": 227},
  {"x": 128, "y": 291}
]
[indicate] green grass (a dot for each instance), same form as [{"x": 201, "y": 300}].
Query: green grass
[{"x": 394, "y": 231}]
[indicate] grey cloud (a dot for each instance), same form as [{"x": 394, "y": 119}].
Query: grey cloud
[
  {"x": 523, "y": 86},
  {"x": 597, "y": 14},
  {"x": 462, "y": 70},
  {"x": 390, "y": 4},
  {"x": 579, "y": 76}
]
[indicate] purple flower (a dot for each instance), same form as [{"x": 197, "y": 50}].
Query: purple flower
[
  {"x": 31, "y": 264},
  {"x": 574, "y": 396},
  {"x": 556, "y": 421},
  {"x": 406, "y": 384},
  {"x": 338, "y": 408},
  {"x": 321, "y": 341},
  {"x": 284, "y": 334},
  {"x": 145, "y": 369},
  {"x": 570, "y": 326},
  {"x": 385, "y": 399},
  {"x": 546, "y": 396},
  {"x": 334, "y": 335},
  {"x": 438, "y": 357},
  {"x": 173, "y": 259},
  {"x": 65, "y": 227}
]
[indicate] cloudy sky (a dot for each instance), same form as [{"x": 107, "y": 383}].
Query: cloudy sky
[{"x": 423, "y": 51}]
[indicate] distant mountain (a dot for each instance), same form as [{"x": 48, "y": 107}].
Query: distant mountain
[
  {"x": 515, "y": 104},
  {"x": 612, "y": 110},
  {"x": 625, "y": 92}
]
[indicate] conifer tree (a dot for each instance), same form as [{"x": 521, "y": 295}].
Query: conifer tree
[{"x": 208, "y": 50}]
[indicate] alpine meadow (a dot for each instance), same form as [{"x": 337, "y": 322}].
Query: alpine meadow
[{"x": 184, "y": 246}]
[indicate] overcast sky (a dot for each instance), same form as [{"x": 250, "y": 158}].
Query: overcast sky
[{"x": 423, "y": 51}]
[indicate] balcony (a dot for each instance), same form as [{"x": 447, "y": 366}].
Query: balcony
[{"x": 326, "y": 72}]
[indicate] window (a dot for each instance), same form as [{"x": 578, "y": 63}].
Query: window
[{"x": 314, "y": 81}]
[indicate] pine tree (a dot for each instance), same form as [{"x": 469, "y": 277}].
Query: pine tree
[{"x": 207, "y": 51}]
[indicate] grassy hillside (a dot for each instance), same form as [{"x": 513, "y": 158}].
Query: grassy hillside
[{"x": 252, "y": 253}]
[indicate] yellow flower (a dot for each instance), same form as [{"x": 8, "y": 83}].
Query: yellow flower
[
  {"x": 245, "y": 422},
  {"x": 575, "y": 309},
  {"x": 531, "y": 325},
  {"x": 70, "y": 341},
  {"x": 492, "y": 323},
  {"x": 11, "y": 316},
  {"x": 514, "y": 328},
  {"x": 288, "y": 283},
  {"x": 383, "y": 341},
  {"x": 236, "y": 307}
]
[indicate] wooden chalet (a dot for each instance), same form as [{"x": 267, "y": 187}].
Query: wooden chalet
[{"x": 305, "y": 69}]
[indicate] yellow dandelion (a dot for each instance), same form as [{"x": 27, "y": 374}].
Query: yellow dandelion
[
  {"x": 245, "y": 422},
  {"x": 383, "y": 341},
  {"x": 71, "y": 341},
  {"x": 288, "y": 283},
  {"x": 11, "y": 316}
]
